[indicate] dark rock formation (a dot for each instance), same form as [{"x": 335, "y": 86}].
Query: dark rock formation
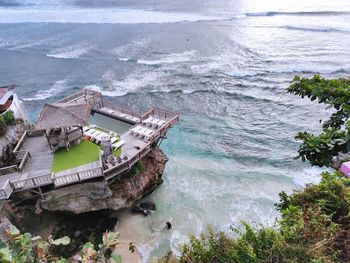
[
  {"x": 123, "y": 193},
  {"x": 144, "y": 208}
]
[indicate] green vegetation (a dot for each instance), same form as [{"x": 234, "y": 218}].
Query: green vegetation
[
  {"x": 136, "y": 169},
  {"x": 315, "y": 222},
  {"x": 23, "y": 248},
  {"x": 80, "y": 154},
  {"x": 6, "y": 119},
  {"x": 314, "y": 227},
  {"x": 335, "y": 138}
]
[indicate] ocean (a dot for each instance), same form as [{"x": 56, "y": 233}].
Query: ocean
[{"x": 223, "y": 65}]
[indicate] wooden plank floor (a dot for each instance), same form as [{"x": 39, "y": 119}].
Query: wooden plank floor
[{"x": 41, "y": 157}]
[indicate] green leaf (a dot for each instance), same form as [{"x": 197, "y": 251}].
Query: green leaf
[
  {"x": 5, "y": 255},
  {"x": 14, "y": 231}
]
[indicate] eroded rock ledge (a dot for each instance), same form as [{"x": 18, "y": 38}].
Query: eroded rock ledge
[{"x": 123, "y": 193}]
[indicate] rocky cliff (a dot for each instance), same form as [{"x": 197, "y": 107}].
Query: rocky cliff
[{"x": 123, "y": 193}]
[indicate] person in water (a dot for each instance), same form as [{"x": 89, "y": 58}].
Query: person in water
[
  {"x": 168, "y": 225},
  {"x": 132, "y": 247}
]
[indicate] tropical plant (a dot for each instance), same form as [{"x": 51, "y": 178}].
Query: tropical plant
[
  {"x": 9, "y": 117},
  {"x": 321, "y": 149},
  {"x": 23, "y": 248}
]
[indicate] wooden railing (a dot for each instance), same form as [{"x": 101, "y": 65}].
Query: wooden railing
[
  {"x": 24, "y": 161},
  {"x": 163, "y": 114},
  {"x": 74, "y": 134},
  {"x": 21, "y": 141},
  {"x": 36, "y": 133},
  {"x": 6, "y": 190},
  {"x": 8, "y": 170},
  {"x": 126, "y": 164},
  {"x": 123, "y": 110},
  {"x": 156, "y": 135},
  {"x": 77, "y": 176},
  {"x": 31, "y": 182},
  {"x": 89, "y": 96}
]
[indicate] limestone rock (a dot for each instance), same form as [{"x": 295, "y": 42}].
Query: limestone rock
[{"x": 123, "y": 193}]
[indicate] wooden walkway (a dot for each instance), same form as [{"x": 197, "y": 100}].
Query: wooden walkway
[
  {"x": 41, "y": 158},
  {"x": 36, "y": 158}
]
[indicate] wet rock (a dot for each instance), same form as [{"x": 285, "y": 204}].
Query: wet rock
[{"x": 144, "y": 208}]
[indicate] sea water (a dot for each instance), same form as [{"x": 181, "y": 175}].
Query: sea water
[{"x": 223, "y": 65}]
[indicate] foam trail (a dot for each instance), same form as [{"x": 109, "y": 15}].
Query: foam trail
[
  {"x": 57, "y": 88},
  {"x": 74, "y": 51},
  {"x": 170, "y": 58},
  {"x": 97, "y": 16}
]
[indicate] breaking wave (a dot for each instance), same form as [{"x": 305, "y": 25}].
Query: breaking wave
[
  {"x": 170, "y": 58},
  {"x": 316, "y": 13},
  {"x": 97, "y": 16},
  {"x": 73, "y": 51},
  {"x": 58, "y": 87}
]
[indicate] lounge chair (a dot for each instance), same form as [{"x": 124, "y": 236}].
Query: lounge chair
[
  {"x": 114, "y": 140},
  {"x": 90, "y": 132},
  {"x": 135, "y": 130},
  {"x": 86, "y": 128},
  {"x": 145, "y": 132},
  {"x": 99, "y": 136},
  {"x": 117, "y": 145}
]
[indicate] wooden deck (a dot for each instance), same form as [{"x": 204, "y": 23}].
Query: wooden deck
[
  {"x": 35, "y": 158},
  {"x": 41, "y": 158}
]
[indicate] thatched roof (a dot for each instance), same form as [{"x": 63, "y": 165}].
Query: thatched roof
[{"x": 57, "y": 115}]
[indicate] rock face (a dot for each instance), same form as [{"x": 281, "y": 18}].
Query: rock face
[{"x": 123, "y": 193}]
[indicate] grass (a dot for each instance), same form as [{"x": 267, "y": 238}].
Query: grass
[{"x": 80, "y": 154}]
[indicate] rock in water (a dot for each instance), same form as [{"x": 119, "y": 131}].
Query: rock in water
[
  {"x": 123, "y": 193},
  {"x": 144, "y": 208}
]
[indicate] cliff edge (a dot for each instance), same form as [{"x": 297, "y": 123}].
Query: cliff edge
[{"x": 143, "y": 178}]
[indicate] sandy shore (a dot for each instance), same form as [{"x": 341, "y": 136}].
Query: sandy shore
[{"x": 136, "y": 229}]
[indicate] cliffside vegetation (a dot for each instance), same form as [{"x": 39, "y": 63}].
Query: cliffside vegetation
[
  {"x": 314, "y": 224},
  {"x": 6, "y": 119},
  {"x": 334, "y": 139},
  {"x": 23, "y": 248}
]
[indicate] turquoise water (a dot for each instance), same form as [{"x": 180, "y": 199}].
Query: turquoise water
[{"x": 223, "y": 65}]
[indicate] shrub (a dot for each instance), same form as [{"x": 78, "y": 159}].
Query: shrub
[
  {"x": 9, "y": 117},
  {"x": 25, "y": 248},
  {"x": 314, "y": 227}
]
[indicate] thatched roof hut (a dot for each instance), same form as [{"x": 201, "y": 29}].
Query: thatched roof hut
[{"x": 63, "y": 115}]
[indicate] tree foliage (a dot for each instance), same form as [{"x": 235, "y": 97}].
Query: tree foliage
[
  {"x": 23, "y": 248},
  {"x": 335, "y": 137}
]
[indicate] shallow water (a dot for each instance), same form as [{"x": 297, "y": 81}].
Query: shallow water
[{"x": 223, "y": 65}]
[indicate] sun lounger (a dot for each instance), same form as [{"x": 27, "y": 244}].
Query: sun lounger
[
  {"x": 135, "y": 130},
  {"x": 114, "y": 140},
  {"x": 148, "y": 121},
  {"x": 100, "y": 136},
  {"x": 118, "y": 144},
  {"x": 90, "y": 132},
  {"x": 86, "y": 128}
]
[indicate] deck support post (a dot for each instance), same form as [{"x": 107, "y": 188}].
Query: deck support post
[
  {"x": 41, "y": 193},
  {"x": 48, "y": 141}
]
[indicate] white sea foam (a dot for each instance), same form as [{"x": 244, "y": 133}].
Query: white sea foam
[
  {"x": 57, "y": 88},
  {"x": 307, "y": 176},
  {"x": 134, "y": 82},
  {"x": 99, "y": 16},
  {"x": 170, "y": 58},
  {"x": 73, "y": 51}
]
